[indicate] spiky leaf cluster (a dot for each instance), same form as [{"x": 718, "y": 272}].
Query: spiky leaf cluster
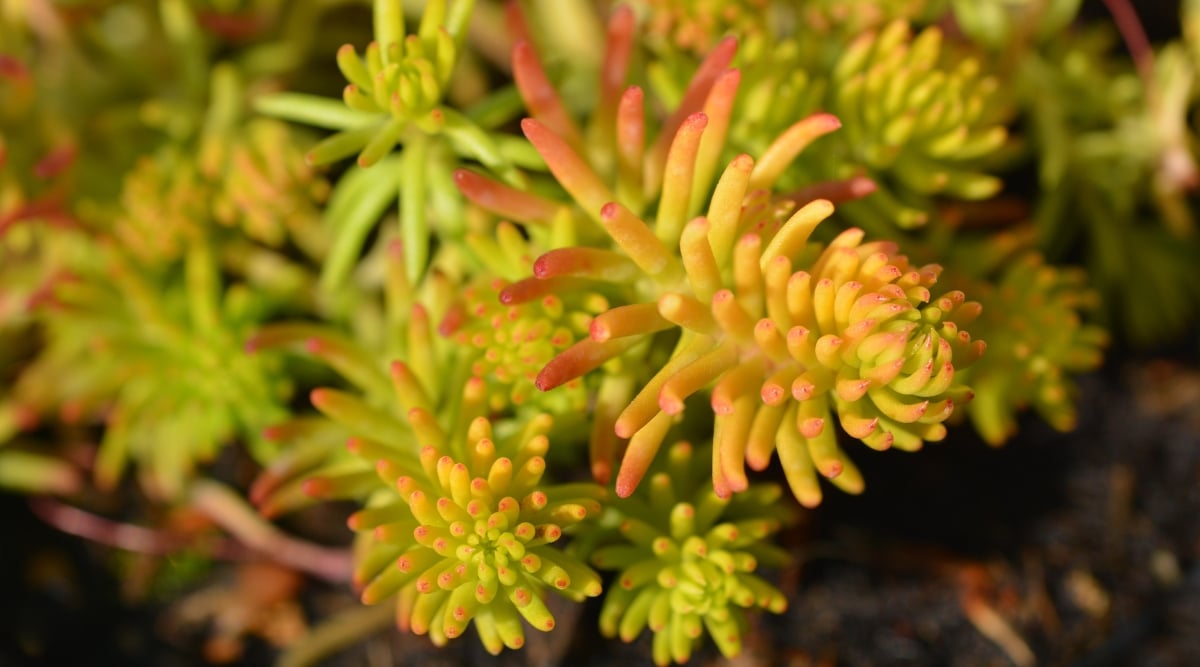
[
  {"x": 764, "y": 315},
  {"x": 469, "y": 538},
  {"x": 160, "y": 360},
  {"x": 1037, "y": 343},
  {"x": 516, "y": 341},
  {"x": 249, "y": 193},
  {"x": 921, "y": 117},
  {"x": 458, "y": 525},
  {"x": 399, "y": 80},
  {"x": 265, "y": 189},
  {"x": 686, "y": 560},
  {"x": 516, "y": 335},
  {"x": 149, "y": 315},
  {"x": 916, "y": 123},
  {"x": 395, "y": 98}
]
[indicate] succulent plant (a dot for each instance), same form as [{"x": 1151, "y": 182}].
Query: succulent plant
[
  {"x": 515, "y": 340},
  {"x": 762, "y": 226},
  {"x": 398, "y": 82},
  {"x": 850, "y": 335},
  {"x": 395, "y": 97},
  {"x": 1114, "y": 169},
  {"x": 149, "y": 308},
  {"x": 686, "y": 560},
  {"x": 1037, "y": 342},
  {"x": 914, "y": 124},
  {"x": 457, "y": 524},
  {"x": 469, "y": 537},
  {"x": 160, "y": 360}
]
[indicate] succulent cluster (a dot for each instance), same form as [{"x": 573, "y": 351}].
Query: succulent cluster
[
  {"x": 397, "y": 83},
  {"x": 564, "y": 251},
  {"x": 457, "y": 525},
  {"x": 471, "y": 539},
  {"x": 686, "y": 560},
  {"x": 154, "y": 368},
  {"x": 916, "y": 123},
  {"x": 144, "y": 303},
  {"x": 1035, "y": 349},
  {"x": 396, "y": 99},
  {"x": 762, "y": 314}
]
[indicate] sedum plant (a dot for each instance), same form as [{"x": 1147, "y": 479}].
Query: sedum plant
[
  {"x": 154, "y": 368},
  {"x": 146, "y": 298},
  {"x": 686, "y": 560},
  {"x": 783, "y": 349},
  {"x": 1033, "y": 320},
  {"x": 483, "y": 527},
  {"x": 396, "y": 97},
  {"x": 458, "y": 525},
  {"x": 775, "y": 230},
  {"x": 918, "y": 122},
  {"x": 1108, "y": 136}
]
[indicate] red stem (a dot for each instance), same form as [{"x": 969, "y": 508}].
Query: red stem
[
  {"x": 255, "y": 538},
  {"x": 1135, "y": 39},
  {"x": 74, "y": 521}
]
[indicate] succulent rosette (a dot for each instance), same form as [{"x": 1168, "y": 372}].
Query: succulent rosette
[
  {"x": 408, "y": 138},
  {"x": 856, "y": 335},
  {"x": 158, "y": 361},
  {"x": 781, "y": 334},
  {"x": 1039, "y": 340},
  {"x": 458, "y": 525},
  {"x": 515, "y": 337},
  {"x": 917, "y": 121},
  {"x": 398, "y": 82},
  {"x": 919, "y": 125},
  {"x": 686, "y": 560},
  {"x": 470, "y": 537},
  {"x": 149, "y": 318}
]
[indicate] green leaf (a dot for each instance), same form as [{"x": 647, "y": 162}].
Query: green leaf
[{"x": 313, "y": 110}]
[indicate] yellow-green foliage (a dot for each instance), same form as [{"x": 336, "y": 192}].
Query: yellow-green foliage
[
  {"x": 1037, "y": 342},
  {"x": 686, "y": 560},
  {"x": 458, "y": 526},
  {"x": 766, "y": 227}
]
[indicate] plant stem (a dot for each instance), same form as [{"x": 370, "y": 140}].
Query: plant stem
[
  {"x": 835, "y": 191},
  {"x": 74, "y": 521},
  {"x": 1135, "y": 39},
  {"x": 230, "y": 512},
  {"x": 343, "y": 629},
  {"x": 255, "y": 537}
]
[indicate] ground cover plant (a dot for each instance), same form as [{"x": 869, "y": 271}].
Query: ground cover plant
[{"x": 492, "y": 313}]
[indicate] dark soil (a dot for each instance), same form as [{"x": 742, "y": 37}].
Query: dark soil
[{"x": 1073, "y": 549}]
